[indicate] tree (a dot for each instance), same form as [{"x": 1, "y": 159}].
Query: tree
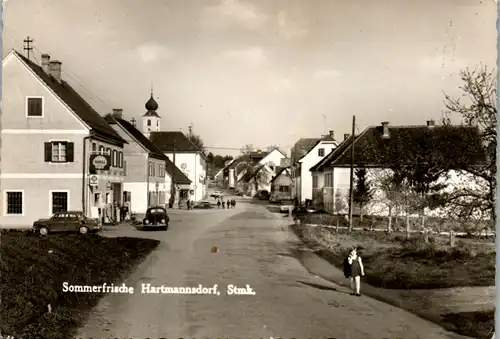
[
  {"x": 363, "y": 192},
  {"x": 479, "y": 90},
  {"x": 210, "y": 158},
  {"x": 247, "y": 149},
  {"x": 197, "y": 141}
]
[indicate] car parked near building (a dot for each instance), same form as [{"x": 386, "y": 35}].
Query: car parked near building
[
  {"x": 286, "y": 205},
  {"x": 263, "y": 195},
  {"x": 156, "y": 217},
  {"x": 68, "y": 221},
  {"x": 203, "y": 205}
]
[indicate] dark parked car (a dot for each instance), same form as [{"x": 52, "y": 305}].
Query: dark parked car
[
  {"x": 70, "y": 221},
  {"x": 204, "y": 205},
  {"x": 263, "y": 195},
  {"x": 156, "y": 217}
]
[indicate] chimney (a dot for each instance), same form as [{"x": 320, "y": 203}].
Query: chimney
[
  {"x": 331, "y": 134},
  {"x": 118, "y": 113},
  {"x": 430, "y": 123},
  {"x": 346, "y": 136},
  {"x": 55, "y": 70},
  {"x": 385, "y": 129},
  {"x": 45, "y": 63}
]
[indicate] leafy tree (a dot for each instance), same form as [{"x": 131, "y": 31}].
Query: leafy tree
[
  {"x": 247, "y": 149},
  {"x": 363, "y": 192},
  {"x": 479, "y": 110},
  {"x": 210, "y": 158}
]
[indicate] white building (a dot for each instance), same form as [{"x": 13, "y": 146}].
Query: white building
[
  {"x": 309, "y": 157},
  {"x": 187, "y": 157}
]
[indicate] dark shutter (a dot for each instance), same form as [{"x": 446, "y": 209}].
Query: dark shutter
[
  {"x": 48, "y": 152},
  {"x": 70, "y": 151}
]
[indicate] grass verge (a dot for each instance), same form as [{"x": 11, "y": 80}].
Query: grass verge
[
  {"x": 473, "y": 324},
  {"x": 33, "y": 270}
]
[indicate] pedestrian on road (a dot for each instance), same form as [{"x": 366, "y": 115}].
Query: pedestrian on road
[
  {"x": 188, "y": 203},
  {"x": 228, "y": 203},
  {"x": 223, "y": 204},
  {"x": 233, "y": 203},
  {"x": 218, "y": 203},
  {"x": 356, "y": 271}
]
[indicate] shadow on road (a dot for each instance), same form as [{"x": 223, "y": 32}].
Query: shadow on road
[{"x": 321, "y": 287}]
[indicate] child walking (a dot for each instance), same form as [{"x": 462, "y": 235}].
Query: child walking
[{"x": 356, "y": 272}]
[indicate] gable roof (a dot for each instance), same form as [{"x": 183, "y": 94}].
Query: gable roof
[
  {"x": 176, "y": 173},
  {"x": 78, "y": 105},
  {"x": 302, "y": 147},
  {"x": 326, "y": 138},
  {"x": 168, "y": 141},
  {"x": 137, "y": 135},
  {"x": 335, "y": 152},
  {"x": 456, "y": 144},
  {"x": 284, "y": 169}
]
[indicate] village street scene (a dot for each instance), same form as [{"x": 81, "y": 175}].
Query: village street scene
[{"x": 245, "y": 168}]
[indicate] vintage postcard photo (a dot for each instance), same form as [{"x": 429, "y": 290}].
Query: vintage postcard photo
[{"x": 248, "y": 169}]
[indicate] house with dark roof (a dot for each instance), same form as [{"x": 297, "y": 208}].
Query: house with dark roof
[
  {"x": 149, "y": 172},
  {"x": 281, "y": 185},
  {"x": 255, "y": 179},
  {"x": 61, "y": 155},
  {"x": 306, "y": 153},
  {"x": 188, "y": 157},
  {"x": 379, "y": 149}
]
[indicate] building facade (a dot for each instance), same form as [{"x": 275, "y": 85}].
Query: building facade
[
  {"x": 59, "y": 135},
  {"x": 281, "y": 186},
  {"x": 188, "y": 158},
  {"x": 308, "y": 153}
]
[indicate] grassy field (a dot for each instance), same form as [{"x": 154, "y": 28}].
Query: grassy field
[
  {"x": 394, "y": 262},
  {"x": 33, "y": 270}
]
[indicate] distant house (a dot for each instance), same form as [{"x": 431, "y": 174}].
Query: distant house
[
  {"x": 149, "y": 172},
  {"x": 306, "y": 153},
  {"x": 259, "y": 179},
  {"x": 281, "y": 185},
  {"x": 188, "y": 157},
  {"x": 53, "y": 140},
  {"x": 331, "y": 176}
]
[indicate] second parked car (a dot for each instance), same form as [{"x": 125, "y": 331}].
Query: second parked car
[{"x": 156, "y": 217}]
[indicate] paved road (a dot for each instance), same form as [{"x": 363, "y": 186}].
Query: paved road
[{"x": 254, "y": 249}]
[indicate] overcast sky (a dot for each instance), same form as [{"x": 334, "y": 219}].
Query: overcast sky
[{"x": 261, "y": 72}]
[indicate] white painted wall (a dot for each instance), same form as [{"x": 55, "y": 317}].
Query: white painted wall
[
  {"x": 311, "y": 159},
  {"x": 193, "y": 170},
  {"x": 138, "y": 196},
  {"x": 275, "y": 157}
]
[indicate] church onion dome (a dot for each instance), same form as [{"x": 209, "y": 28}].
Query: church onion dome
[{"x": 151, "y": 105}]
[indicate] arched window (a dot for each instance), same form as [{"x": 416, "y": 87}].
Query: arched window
[
  {"x": 157, "y": 123},
  {"x": 101, "y": 150},
  {"x": 115, "y": 158},
  {"x": 149, "y": 122}
]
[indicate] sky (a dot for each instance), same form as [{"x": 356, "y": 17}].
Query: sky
[{"x": 261, "y": 72}]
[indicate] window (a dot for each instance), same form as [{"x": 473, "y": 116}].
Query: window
[
  {"x": 59, "y": 151},
  {"x": 321, "y": 152},
  {"x": 120, "y": 159},
  {"x": 149, "y": 122},
  {"x": 34, "y": 107},
  {"x": 101, "y": 150},
  {"x": 97, "y": 199},
  {"x": 284, "y": 189},
  {"x": 315, "y": 181},
  {"x": 328, "y": 179},
  {"x": 115, "y": 158},
  {"x": 15, "y": 203},
  {"x": 157, "y": 123},
  {"x": 150, "y": 169},
  {"x": 59, "y": 202},
  {"x": 94, "y": 147},
  {"x": 108, "y": 151}
]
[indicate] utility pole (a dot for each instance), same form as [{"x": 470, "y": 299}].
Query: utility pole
[
  {"x": 28, "y": 47},
  {"x": 351, "y": 179}
]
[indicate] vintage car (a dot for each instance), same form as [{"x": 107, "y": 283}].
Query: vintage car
[
  {"x": 156, "y": 217},
  {"x": 263, "y": 195},
  {"x": 203, "y": 205},
  {"x": 70, "y": 221},
  {"x": 286, "y": 205}
]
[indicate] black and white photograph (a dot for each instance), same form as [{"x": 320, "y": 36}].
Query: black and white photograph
[{"x": 248, "y": 169}]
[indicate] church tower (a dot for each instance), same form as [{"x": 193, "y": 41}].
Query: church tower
[{"x": 151, "y": 119}]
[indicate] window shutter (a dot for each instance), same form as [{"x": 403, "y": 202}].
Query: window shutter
[
  {"x": 70, "y": 151},
  {"x": 48, "y": 152}
]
